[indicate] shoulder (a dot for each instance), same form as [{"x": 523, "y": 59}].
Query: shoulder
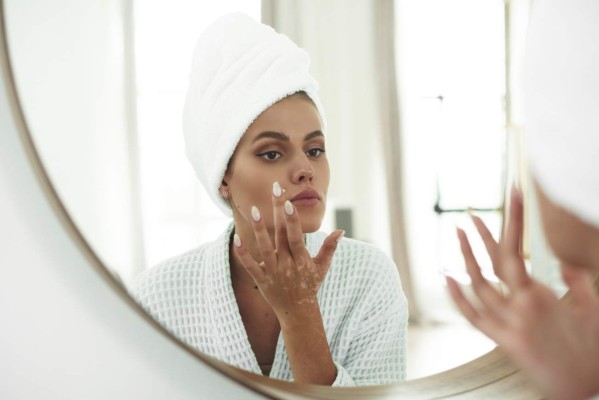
[
  {"x": 351, "y": 248},
  {"x": 365, "y": 259},
  {"x": 180, "y": 273},
  {"x": 168, "y": 272}
]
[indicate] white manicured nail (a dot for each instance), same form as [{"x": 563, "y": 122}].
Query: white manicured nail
[
  {"x": 288, "y": 208},
  {"x": 255, "y": 214},
  {"x": 276, "y": 189},
  {"x": 237, "y": 240}
]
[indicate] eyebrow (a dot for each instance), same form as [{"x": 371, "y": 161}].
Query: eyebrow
[{"x": 283, "y": 137}]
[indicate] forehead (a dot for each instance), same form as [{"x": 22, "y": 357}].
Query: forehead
[{"x": 295, "y": 115}]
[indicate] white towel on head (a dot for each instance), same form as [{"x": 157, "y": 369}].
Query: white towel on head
[
  {"x": 240, "y": 68},
  {"x": 562, "y": 103}
]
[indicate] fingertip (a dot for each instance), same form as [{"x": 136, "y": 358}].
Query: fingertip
[
  {"x": 289, "y": 209},
  {"x": 452, "y": 285},
  {"x": 450, "y": 280},
  {"x": 516, "y": 192},
  {"x": 237, "y": 240},
  {"x": 516, "y": 200},
  {"x": 334, "y": 238},
  {"x": 256, "y": 214},
  {"x": 460, "y": 233},
  {"x": 276, "y": 189},
  {"x": 476, "y": 219}
]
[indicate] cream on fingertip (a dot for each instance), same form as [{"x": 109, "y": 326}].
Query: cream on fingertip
[
  {"x": 288, "y": 208},
  {"x": 276, "y": 189},
  {"x": 255, "y": 214}
]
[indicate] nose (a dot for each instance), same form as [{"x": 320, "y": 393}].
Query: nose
[{"x": 303, "y": 170}]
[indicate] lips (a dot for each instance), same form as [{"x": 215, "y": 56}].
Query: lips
[{"x": 306, "y": 198}]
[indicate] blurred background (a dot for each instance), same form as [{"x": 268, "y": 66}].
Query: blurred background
[{"x": 424, "y": 126}]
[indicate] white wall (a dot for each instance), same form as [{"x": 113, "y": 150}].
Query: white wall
[
  {"x": 338, "y": 35},
  {"x": 70, "y": 70},
  {"x": 65, "y": 333}
]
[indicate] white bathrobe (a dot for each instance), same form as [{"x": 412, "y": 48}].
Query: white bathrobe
[{"x": 363, "y": 308}]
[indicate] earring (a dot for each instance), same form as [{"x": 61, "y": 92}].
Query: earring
[{"x": 226, "y": 194}]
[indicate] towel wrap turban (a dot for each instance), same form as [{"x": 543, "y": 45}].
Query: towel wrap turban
[
  {"x": 240, "y": 68},
  {"x": 561, "y": 83}
]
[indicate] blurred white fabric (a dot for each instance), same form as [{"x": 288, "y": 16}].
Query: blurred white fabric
[{"x": 562, "y": 103}]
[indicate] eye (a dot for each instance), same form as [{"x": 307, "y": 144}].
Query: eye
[
  {"x": 270, "y": 155},
  {"x": 315, "y": 152}
]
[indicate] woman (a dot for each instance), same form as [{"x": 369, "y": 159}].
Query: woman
[
  {"x": 272, "y": 295},
  {"x": 554, "y": 342}
]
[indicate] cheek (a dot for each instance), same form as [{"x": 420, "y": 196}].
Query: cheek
[
  {"x": 564, "y": 235},
  {"x": 552, "y": 234},
  {"x": 326, "y": 176},
  {"x": 247, "y": 191}
]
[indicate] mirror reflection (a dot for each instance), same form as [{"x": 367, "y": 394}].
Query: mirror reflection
[
  {"x": 414, "y": 128},
  {"x": 278, "y": 297}
]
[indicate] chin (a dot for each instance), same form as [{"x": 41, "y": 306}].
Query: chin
[{"x": 311, "y": 224}]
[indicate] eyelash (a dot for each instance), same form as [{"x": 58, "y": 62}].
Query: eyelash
[{"x": 266, "y": 153}]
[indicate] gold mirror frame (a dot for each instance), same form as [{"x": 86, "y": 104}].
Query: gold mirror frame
[{"x": 489, "y": 376}]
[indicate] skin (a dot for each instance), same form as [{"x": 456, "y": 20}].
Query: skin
[
  {"x": 274, "y": 278},
  {"x": 556, "y": 343}
]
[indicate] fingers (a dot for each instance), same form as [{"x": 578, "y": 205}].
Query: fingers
[
  {"x": 581, "y": 287},
  {"x": 511, "y": 268},
  {"x": 297, "y": 246},
  {"x": 489, "y": 297},
  {"x": 489, "y": 325},
  {"x": 490, "y": 244},
  {"x": 471, "y": 263},
  {"x": 263, "y": 238},
  {"x": 327, "y": 250},
  {"x": 514, "y": 227},
  {"x": 467, "y": 310},
  {"x": 295, "y": 235},
  {"x": 248, "y": 262},
  {"x": 278, "y": 204}
]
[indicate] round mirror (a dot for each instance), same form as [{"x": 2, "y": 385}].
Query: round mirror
[{"x": 414, "y": 100}]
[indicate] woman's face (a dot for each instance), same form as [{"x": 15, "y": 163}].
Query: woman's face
[
  {"x": 573, "y": 241},
  {"x": 284, "y": 144}
]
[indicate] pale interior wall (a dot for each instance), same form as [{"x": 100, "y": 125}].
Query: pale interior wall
[
  {"x": 70, "y": 69},
  {"x": 66, "y": 333},
  {"x": 339, "y": 38}
]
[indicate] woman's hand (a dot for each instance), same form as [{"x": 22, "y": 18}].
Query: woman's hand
[
  {"x": 288, "y": 277},
  {"x": 555, "y": 343}
]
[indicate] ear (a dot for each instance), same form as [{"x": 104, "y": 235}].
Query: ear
[
  {"x": 224, "y": 183},
  {"x": 224, "y": 188}
]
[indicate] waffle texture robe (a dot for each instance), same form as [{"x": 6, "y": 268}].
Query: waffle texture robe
[{"x": 363, "y": 307}]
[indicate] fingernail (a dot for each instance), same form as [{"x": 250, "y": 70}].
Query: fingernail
[
  {"x": 516, "y": 191},
  {"x": 255, "y": 214},
  {"x": 276, "y": 189},
  {"x": 237, "y": 240},
  {"x": 288, "y": 208},
  {"x": 340, "y": 236}
]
